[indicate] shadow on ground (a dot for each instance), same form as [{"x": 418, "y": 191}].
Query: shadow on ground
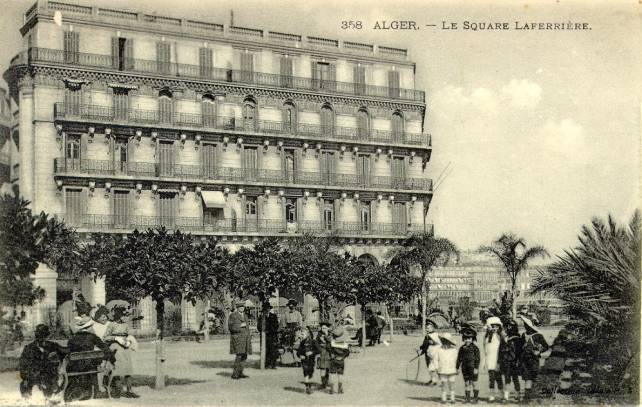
[
  {"x": 150, "y": 381},
  {"x": 300, "y": 390},
  {"x": 415, "y": 383},
  {"x": 222, "y": 364}
]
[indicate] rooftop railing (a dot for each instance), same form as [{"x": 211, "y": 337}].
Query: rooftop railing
[
  {"x": 109, "y": 115},
  {"x": 186, "y": 172},
  {"x": 125, "y": 223},
  {"x": 48, "y": 55}
]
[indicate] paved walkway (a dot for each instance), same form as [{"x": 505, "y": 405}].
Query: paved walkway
[{"x": 199, "y": 375}]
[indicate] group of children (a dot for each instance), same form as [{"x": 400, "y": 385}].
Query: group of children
[
  {"x": 331, "y": 348},
  {"x": 507, "y": 355}
]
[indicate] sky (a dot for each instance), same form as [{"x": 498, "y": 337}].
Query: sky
[{"x": 537, "y": 131}]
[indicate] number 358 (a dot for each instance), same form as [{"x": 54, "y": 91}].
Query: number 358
[{"x": 351, "y": 25}]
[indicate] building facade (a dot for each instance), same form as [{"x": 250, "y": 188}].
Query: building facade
[{"x": 130, "y": 120}]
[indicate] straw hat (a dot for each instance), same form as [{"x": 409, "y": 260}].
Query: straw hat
[
  {"x": 494, "y": 321},
  {"x": 529, "y": 325},
  {"x": 447, "y": 337}
]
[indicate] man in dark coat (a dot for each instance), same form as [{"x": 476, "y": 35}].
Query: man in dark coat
[
  {"x": 39, "y": 363},
  {"x": 271, "y": 338},
  {"x": 240, "y": 339}
]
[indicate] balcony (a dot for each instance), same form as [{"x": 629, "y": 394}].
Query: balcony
[
  {"x": 173, "y": 69},
  {"x": 196, "y": 225},
  {"x": 196, "y": 121},
  {"x": 194, "y": 173}
]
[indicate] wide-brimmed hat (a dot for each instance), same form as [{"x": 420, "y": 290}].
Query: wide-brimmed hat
[
  {"x": 446, "y": 337},
  {"x": 81, "y": 324},
  {"x": 469, "y": 333},
  {"x": 293, "y": 303},
  {"x": 431, "y": 322},
  {"x": 337, "y": 332},
  {"x": 529, "y": 325},
  {"x": 435, "y": 337},
  {"x": 120, "y": 311},
  {"x": 494, "y": 321},
  {"x": 326, "y": 323}
]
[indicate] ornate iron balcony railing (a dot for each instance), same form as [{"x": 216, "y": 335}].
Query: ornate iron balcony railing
[
  {"x": 186, "y": 172},
  {"x": 107, "y": 114},
  {"x": 57, "y": 56}
]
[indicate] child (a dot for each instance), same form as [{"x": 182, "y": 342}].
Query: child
[
  {"x": 307, "y": 352},
  {"x": 323, "y": 341},
  {"x": 510, "y": 351},
  {"x": 339, "y": 351},
  {"x": 446, "y": 358},
  {"x": 534, "y": 346},
  {"x": 468, "y": 360},
  {"x": 429, "y": 348},
  {"x": 492, "y": 341}
]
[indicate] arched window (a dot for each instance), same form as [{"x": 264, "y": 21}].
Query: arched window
[
  {"x": 327, "y": 120},
  {"x": 165, "y": 106},
  {"x": 363, "y": 124},
  {"x": 73, "y": 152},
  {"x": 397, "y": 127},
  {"x": 208, "y": 110},
  {"x": 289, "y": 118},
  {"x": 249, "y": 115}
]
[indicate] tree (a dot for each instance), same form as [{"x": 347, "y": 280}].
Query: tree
[
  {"x": 260, "y": 271},
  {"x": 423, "y": 251},
  {"x": 154, "y": 264},
  {"x": 25, "y": 241},
  {"x": 464, "y": 309},
  {"x": 514, "y": 255}
]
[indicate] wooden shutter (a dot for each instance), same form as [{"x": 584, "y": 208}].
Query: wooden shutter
[
  {"x": 372, "y": 213},
  {"x": 121, "y": 208},
  {"x": 247, "y": 67},
  {"x": 332, "y": 77},
  {"x": 286, "y": 71},
  {"x": 71, "y": 47},
  {"x": 315, "y": 74},
  {"x": 73, "y": 206},
  {"x": 208, "y": 113},
  {"x": 167, "y": 209},
  {"x": 250, "y": 162},
  {"x": 337, "y": 206},
  {"x": 129, "y": 54},
  {"x": 165, "y": 108},
  {"x": 397, "y": 128},
  {"x": 359, "y": 73},
  {"x": 260, "y": 203},
  {"x": 299, "y": 211},
  {"x": 115, "y": 59},
  {"x": 393, "y": 84},
  {"x": 209, "y": 160},
  {"x": 205, "y": 62},
  {"x": 73, "y": 98},
  {"x": 121, "y": 105},
  {"x": 398, "y": 172},
  {"x": 163, "y": 57},
  {"x": 166, "y": 159}
]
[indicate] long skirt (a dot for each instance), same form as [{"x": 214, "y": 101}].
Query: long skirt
[{"x": 123, "y": 365}]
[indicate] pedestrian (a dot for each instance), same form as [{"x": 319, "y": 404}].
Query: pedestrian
[
  {"x": 339, "y": 351},
  {"x": 372, "y": 327},
  {"x": 119, "y": 340},
  {"x": 293, "y": 321},
  {"x": 510, "y": 353},
  {"x": 240, "y": 339},
  {"x": 492, "y": 342},
  {"x": 446, "y": 358},
  {"x": 381, "y": 325},
  {"x": 534, "y": 345},
  {"x": 468, "y": 360},
  {"x": 271, "y": 338},
  {"x": 429, "y": 348},
  {"x": 39, "y": 363},
  {"x": 324, "y": 339},
  {"x": 307, "y": 352}
]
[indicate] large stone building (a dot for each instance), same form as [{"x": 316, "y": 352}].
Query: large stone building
[{"x": 132, "y": 120}]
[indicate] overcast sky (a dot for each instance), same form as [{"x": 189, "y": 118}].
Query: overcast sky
[{"x": 541, "y": 128}]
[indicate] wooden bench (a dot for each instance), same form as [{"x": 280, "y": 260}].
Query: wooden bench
[{"x": 94, "y": 357}]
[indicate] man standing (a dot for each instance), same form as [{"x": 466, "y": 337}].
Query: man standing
[
  {"x": 381, "y": 325},
  {"x": 240, "y": 339}
]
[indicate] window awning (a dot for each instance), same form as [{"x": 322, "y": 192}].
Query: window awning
[{"x": 213, "y": 199}]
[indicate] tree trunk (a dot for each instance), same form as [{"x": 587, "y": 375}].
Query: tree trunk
[
  {"x": 160, "y": 313},
  {"x": 263, "y": 339},
  {"x": 391, "y": 323},
  {"x": 514, "y": 304},
  {"x": 423, "y": 306},
  {"x": 363, "y": 327},
  {"x": 206, "y": 324}
]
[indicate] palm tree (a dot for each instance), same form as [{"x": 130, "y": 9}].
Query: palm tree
[
  {"x": 599, "y": 280},
  {"x": 423, "y": 251},
  {"x": 514, "y": 254}
]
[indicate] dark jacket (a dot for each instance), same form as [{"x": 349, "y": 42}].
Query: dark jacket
[
  {"x": 510, "y": 354},
  {"x": 271, "y": 325},
  {"x": 468, "y": 357},
  {"x": 240, "y": 338},
  {"x": 84, "y": 341},
  {"x": 308, "y": 345},
  {"x": 35, "y": 361},
  {"x": 533, "y": 346}
]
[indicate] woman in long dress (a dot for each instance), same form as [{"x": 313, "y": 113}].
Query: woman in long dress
[{"x": 117, "y": 335}]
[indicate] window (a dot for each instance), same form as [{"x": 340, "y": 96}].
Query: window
[
  {"x": 166, "y": 158},
  {"x": 365, "y": 216},
  {"x": 74, "y": 206},
  {"x": 250, "y": 164},
  {"x": 122, "y": 53},
  {"x": 205, "y": 62},
  {"x": 393, "y": 84},
  {"x": 363, "y": 124},
  {"x": 247, "y": 67},
  {"x": 73, "y": 101},
  {"x": 120, "y": 155},
  {"x": 363, "y": 169},
  {"x": 72, "y": 152},
  {"x": 359, "y": 80},
  {"x": 328, "y": 214},
  {"x": 399, "y": 217},
  {"x": 209, "y": 160},
  {"x": 121, "y": 104},
  {"x": 289, "y": 166},
  {"x": 398, "y": 169},
  {"x": 167, "y": 209},
  {"x": 165, "y": 106},
  {"x": 213, "y": 216},
  {"x": 327, "y": 121},
  {"x": 121, "y": 208},
  {"x": 208, "y": 110},
  {"x": 327, "y": 167},
  {"x": 249, "y": 116},
  {"x": 163, "y": 57},
  {"x": 71, "y": 46},
  {"x": 289, "y": 118},
  {"x": 397, "y": 127},
  {"x": 323, "y": 76},
  {"x": 290, "y": 210},
  {"x": 286, "y": 71}
]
